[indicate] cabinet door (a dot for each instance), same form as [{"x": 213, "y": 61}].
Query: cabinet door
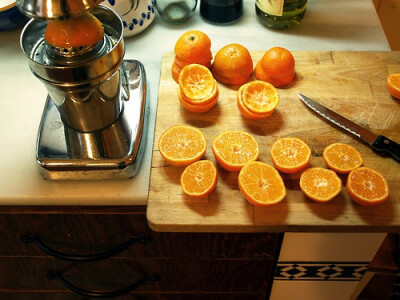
[
  {"x": 71, "y": 233},
  {"x": 39, "y": 295},
  {"x": 244, "y": 245},
  {"x": 190, "y": 275},
  {"x": 187, "y": 263},
  {"x": 89, "y": 233}
]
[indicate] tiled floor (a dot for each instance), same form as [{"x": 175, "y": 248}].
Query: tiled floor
[
  {"x": 327, "y": 266},
  {"x": 312, "y": 290}
]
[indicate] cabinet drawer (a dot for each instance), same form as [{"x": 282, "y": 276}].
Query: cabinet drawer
[
  {"x": 84, "y": 233},
  {"x": 139, "y": 296},
  {"x": 70, "y": 233},
  {"x": 189, "y": 275}
]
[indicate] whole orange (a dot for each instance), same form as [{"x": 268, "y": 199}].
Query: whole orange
[
  {"x": 277, "y": 66},
  {"x": 205, "y": 62},
  {"x": 194, "y": 47},
  {"x": 232, "y": 65}
]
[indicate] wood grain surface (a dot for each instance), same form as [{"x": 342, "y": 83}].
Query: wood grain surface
[{"x": 351, "y": 83}]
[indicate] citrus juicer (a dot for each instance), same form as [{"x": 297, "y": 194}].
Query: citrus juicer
[{"x": 95, "y": 117}]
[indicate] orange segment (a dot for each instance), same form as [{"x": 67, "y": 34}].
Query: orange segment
[
  {"x": 290, "y": 154},
  {"x": 82, "y": 31},
  {"x": 233, "y": 149},
  {"x": 259, "y": 96},
  {"x": 393, "y": 85},
  {"x": 182, "y": 145},
  {"x": 261, "y": 184},
  {"x": 196, "y": 82},
  {"x": 342, "y": 158},
  {"x": 199, "y": 179},
  {"x": 320, "y": 184},
  {"x": 367, "y": 187}
]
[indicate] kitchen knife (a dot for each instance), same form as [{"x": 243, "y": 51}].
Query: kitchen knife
[{"x": 379, "y": 143}]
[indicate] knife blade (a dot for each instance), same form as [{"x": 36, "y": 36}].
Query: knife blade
[{"x": 378, "y": 143}]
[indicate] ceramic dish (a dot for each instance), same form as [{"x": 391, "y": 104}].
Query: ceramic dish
[
  {"x": 10, "y": 17},
  {"x": 136, "y": 15}
]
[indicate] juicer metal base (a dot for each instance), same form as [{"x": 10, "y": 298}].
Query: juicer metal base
[{"x": 114, "y": 152}]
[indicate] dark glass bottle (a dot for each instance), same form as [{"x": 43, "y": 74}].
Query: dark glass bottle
[
  {"x": 280, "y": 14},
  {"x": 221, "y": 11}
]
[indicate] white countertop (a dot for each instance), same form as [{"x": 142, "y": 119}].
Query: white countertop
[{"x": 327, "y": 25}]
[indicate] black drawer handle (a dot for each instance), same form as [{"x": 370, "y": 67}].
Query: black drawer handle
[
  {"x": 84, "y": 258},
  {"x": 94, "y": 294}
]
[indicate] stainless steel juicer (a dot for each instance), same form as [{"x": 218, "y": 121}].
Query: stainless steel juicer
[{"x": 94, "y": 122}]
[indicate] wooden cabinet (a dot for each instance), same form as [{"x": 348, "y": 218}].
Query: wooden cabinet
[{"x": 189, "y": 265}]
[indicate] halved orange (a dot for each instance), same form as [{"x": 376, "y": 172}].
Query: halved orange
[
  {"x": 205, "y": 61},
  {"x": 238, "y": 80},
  {"x": 196, "y": 82},
  {"x": 234, "y": 148},
  {"x": 198, "y": 107},
  {"x": 277, "y": 66},
  {"x": 259, "y": 97},
  {"x": 179, "y": 63},
  {"x": 192, "y": 47},
  {"x": 367, "y": 187},
  {"x": 320, "y": 184},
  {"x": 175, "y": 71},
  {"x": 260, "y": 74},
  {"x": 199, "y": 178},
  {"x": 290, "y": 154},
  {"x": 81, "y": 31},
  {"x": 232, "y": 64},
  {"x": 393, "y": 85},
  {"x": 247, "y": 113},
  {"x": 342, "y": 158},
  {"x": 200, "y": 101},
  {"x": 261, "y": 184},
  {"x": 182, "y": 145}
]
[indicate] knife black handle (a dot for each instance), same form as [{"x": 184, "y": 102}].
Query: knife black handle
[{"x": 383, "y": 144}]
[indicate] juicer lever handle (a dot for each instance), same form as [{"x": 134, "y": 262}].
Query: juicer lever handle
[{"x": 125, "y": 83}]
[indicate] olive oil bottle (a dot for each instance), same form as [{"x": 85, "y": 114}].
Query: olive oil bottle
[{"x": 280, "y": 14}]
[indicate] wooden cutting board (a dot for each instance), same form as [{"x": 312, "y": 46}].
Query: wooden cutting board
[{"x": 351, "y": 83}]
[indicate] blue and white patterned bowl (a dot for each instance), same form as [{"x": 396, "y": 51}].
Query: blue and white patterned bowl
[
  {"x": 136, "y": 15},
  {"x": 10, "y": 17}
]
